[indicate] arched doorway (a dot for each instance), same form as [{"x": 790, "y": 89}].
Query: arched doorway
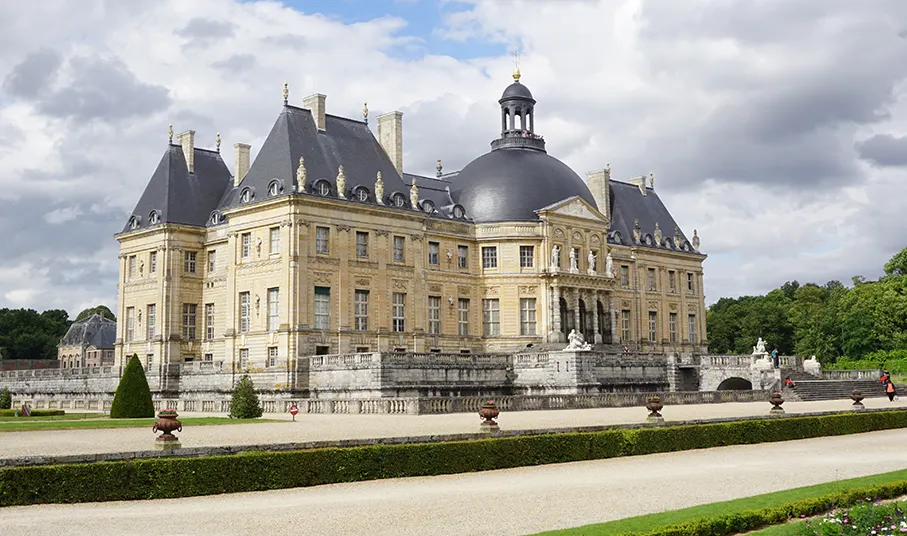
[
  {"x": 604, "y": 323},
  {"x": 582, "y": 319},
  {"x": 735, "y": 384},
  {"x": 566, "y": 317}
]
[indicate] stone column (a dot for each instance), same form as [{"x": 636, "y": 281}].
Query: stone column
[
  {"x": 555, "y": 334},
  {"x": 612, "y": 317},
  {"x": 576, "y": 312},
  {"x": 598, "y": 336}
]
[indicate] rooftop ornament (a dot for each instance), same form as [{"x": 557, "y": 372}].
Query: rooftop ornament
[
  {"x": 217, "y": 141},
  {"x": 365, "y": 111},
  {"x": 170, "y": 134},
  {"x": 286, "y": 93}
]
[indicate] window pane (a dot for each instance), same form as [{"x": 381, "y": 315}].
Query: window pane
[
  {"x": 463, "y": 316},
  {"x": 322, "y": 308},
  {"x": 527, "y": 256},
  {"x": 527, "y": 316},
  {"x": 321, "y": 240},
  {"x": 491, "y": 317},
  {"x": 489, "y": 257},
  {"x": 434, "y": 314},
  {"x": 273, "y": 309},
  {"x": 275, "y": 240},
  {"x": 433, "y": 253},
  {"x": 361, "y": 310},
  {"x": 399, "y": 312},
  {"x": 399, "y": 251},
  {"x": 245, "y": 312},
  {"x": 462, "y": 257},
  {"x": 361, "y": 244}
]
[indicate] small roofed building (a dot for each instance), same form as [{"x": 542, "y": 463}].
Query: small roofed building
[{"x": 88, "y": 343}]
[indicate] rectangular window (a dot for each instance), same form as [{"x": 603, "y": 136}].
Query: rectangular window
[
  {"x": 212, "y": 261},
  {"x": 434, "y": 314},
  {"x": 651, "y": 278},
  {"x": 132, "y": 266},
  {"x": 360, "y": 312},
  {"x": 149, "y": 360},
  {"x": 653, "y": 326},
  {"x": 243, "y": 358},
  {"x": 399, "y": 249},
  {"x": 209, "y": 321},
  {"x": 624, "y": 276},
  {"x": 189, "y": 262},
  {"x": 245, "y": 312},
  {"x": 151, "y": 320},
  {"x": 274, "y": 240},
  {"x": 322, "y": 308},
  {"x": 462, "y": 256},
  {"x": 491, "y": 317},
  {"x": 692, "y": 328},
  {"x": 189, "y": 320},
  {"x": 272, "y": 357},
  {"x": 130, "y": 324},
  {"x": 672, "y": 326},
  {"x": 672, "y": 280},
  {"x": 527, "y": 256},
  {"x": 322, "y": 245},
  {"x": 490, "y": 257},
  {"x": 527, "y": 316},
  {"x": 273, "y": 309},
  {"x": 690, "y": 285},
  {"x": 152, "y": 261},
  {"x": 433, "y": 253},
  {"x": 209, "y": 358},
  {"x": 625, "y": 325},
  {"x": 246, "y": 239},
  {"x": 399, "y": 312},
  {"x": 361, "y": 245},
  {"x": 463, "y": 316}
]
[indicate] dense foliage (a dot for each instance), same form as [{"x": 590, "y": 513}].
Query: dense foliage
[
  {"x": 867, "y": 517},
  {"x": 102, "y": 310},
  {"x": 256, "y": 471},
  {"x": 6, "y": 398},
  {"x": 34, "y": 412},
  {"x": 28, "y": 334},
  {"x": 133, "y": 397},
  {"x": 244, "y": 404},
  {"x": 830, "y": 321}
]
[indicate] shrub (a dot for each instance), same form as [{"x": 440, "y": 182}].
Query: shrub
[
  {"x": 6, "y": 398},
  {"x": 34, "y": 412},
  {"x": 133, "y": 397},
  {"x": 244, "y": 404}
]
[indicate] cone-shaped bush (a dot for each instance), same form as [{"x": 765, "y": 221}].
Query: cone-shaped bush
[
  {"x": 245, "y": 402},
  {"x": 6, "y": 399},
  {"x": 133, "y": 398}
]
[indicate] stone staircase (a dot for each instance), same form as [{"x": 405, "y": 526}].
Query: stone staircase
[{"x": 808, "y": 387}]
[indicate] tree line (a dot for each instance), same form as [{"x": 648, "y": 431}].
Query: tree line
[{"x": 28, "y": 334}]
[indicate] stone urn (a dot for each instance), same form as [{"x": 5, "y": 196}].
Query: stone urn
[
  {"x": 654, "y": 405},
  {"x": 489, "y": 412},
  {"x": 167, "y": 423},
  {"x": 776, "y": 400},
  {"x": 857, "y": 397}
]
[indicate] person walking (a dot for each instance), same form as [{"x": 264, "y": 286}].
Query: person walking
[
  {"x": 891, "y": 391},
  {"x": 775, "y": 359}
]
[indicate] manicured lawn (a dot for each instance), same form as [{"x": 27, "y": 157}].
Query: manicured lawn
[
  {"x": 23, "y": 425},
  {"x": 67, "y": 417},
  {"x": 654, "y": 521}
]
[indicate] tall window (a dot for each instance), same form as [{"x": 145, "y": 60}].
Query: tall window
[
  {"x": 212, "y": 261},
  {"x": 246, "y": 240},
  {"x": 672, "y": 326},
  {"x": 189, "y": 320},
  {"x": 245, "y": 312},
  {"x": 462, "y": 256},
  {"x": 433, "y": 253},
  {"x": 690, "y": 284},
  {"x": 672, "y": 280},
  {"x": 243, "y": 358},
  {"x": 209, "y": 321},
  {"x": 322, "y": 307},
  {"x": 463, "y": 316},
  {"x": 653, "y": 326},
  {"x": 321, "y": 240},
  {"x": 527, "y": 316},
  {"x": 151, "y": 321},
  {"x": 361, "y": 245},
  {"x": 625, "y": 325},
  {"x": 491, "y": 317},
  {"x": 272, "y": 357},
  {"x": 652, "y": 279},
  {"x": 152, "y": 262},
  {"x": 692, "y": 328},
  {"x": 527, "y": 256},
  {"x": 274, "y": 240},
  {"x": 624, "y": 276},
  {"x": 399, "y": 249},
  {"x": 132, "y": 266},
  {"x": 399, "y": 312},
  {"x": 130, "y": 324},
  {"x": 189, "y": 262},
  {"x": 434, "y": 314},
  {"x": 490, "y": 257},
  {"x": 273, "y": 309},
  {"x": 360, "y": 303}
]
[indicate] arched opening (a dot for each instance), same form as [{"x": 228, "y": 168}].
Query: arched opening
[
  {"x": 585, "y": 322},
  {"x": 566, "y": 317},
  {"x": 604, "y": 323},
  {"x": 519, "y": 122},
  {"x": 735, "y": 384}
]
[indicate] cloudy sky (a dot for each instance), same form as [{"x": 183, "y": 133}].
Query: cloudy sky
[{"x": 777, "y": 128}]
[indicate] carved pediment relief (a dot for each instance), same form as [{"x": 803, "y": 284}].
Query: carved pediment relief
[{"x": 578, "y": 209}]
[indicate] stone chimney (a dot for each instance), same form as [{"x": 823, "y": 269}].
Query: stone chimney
[
  {"x": 187, "y": 141},
  {"x": 241, "y": 161},
  {"x": 315, "y": 103},
  {"x": 390, "y": 136},
  {"x": 601, "y": 192},
  {"x": 639, "y": 182}
]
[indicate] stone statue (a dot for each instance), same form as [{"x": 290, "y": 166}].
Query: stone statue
[
  {"x": 379, "y": 189},
  {"x": 555, "y": 258},
  {"x": 573, "y": 266},
  {"x": 637, "y": 232},
  {"x": 414, "y": 195},
  {"x": 591, "y": 260},
  {"x": 695, "y": 240},
  {"x": 258, "y": 246},
  {"x": 301, "y": 175},
  {"x": 341, "y": 184},
  {"x": 609, "y": 266},
  {"x": 575, "y": 341},
  {"x": 141, "y": 269},
  {"x": 658, "y": 234},
  {"x": 760, "y": 347}
]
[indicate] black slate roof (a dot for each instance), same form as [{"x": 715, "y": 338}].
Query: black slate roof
[
  {"x": 178, "y": 196},
  {"x": 94, "y": 331},
  {"x": 629, "y": 205}
]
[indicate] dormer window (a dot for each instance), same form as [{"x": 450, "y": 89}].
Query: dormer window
[
  {"x": 274, "y": 188},
  {"x": 133, "y": 223},
  {"x": 245, "y": 196},
  {"x": 399, "y": 200},
  {"x": 323, "y": 187},
  {"x": 154, "y": 218},
  {"x": 428, "y": 207},
  {"x": 458, "y": 211},
  {"x": 216, "y": 218},
  {"x": 362, "y": 194}
]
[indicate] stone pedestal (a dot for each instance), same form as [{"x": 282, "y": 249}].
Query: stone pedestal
[{"x": 167, "y": 445}]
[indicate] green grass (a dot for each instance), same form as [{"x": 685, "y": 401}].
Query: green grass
[
  {"x": 787, "y": 529},
  {"x": 23, "y": 425},
  {"x": 776, "y": 498},
  {"x": 67, "y": 417}
]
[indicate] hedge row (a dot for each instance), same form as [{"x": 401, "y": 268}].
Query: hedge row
[
  {"x": 750, "y": 520},
  {"x": 185, "y": 477},
  {"x": 34, "y": 412}
]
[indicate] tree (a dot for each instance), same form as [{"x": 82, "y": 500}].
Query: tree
[
  {"x": 27, "y": 334},
  {"x": 6, "y": 399},
  {"x": 102, "y": 310},
  {"x": 133, "y": 396},
  {"x": 245, "y": 401}
]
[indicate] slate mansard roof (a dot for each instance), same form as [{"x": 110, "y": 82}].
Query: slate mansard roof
[
  {"x": 629, "y": 206},
  {"x": 94, "y": 331}
]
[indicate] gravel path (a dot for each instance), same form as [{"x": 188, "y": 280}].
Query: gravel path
[
  {"x": 513, "y": 501},
  {"x": 325, "y": 427}
]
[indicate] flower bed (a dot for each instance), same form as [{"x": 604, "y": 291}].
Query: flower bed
[{"x": 867, "y": 517}]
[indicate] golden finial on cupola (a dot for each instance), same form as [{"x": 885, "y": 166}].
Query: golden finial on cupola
[
  {"x": 365, "y": 111},
  {"x": 170, "y": 134},
  {"x": 286, "y": 93},
  {"x": 516, "y": 66},
  {"x": 217, "y": 141}
]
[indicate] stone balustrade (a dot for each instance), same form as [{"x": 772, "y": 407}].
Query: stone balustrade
[{"x": 865, "y": 374}]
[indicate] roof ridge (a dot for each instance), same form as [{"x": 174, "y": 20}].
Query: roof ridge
[{"x": 335, "y": 116}]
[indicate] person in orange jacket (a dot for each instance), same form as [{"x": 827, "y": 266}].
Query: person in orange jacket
[{"x": 891, "y": 391}]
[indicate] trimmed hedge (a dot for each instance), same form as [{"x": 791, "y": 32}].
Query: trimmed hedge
[
  {"x": 6, "y": 398},
  {"x": 34, "y": 413},
  {"x": 185, "y": 477},
  {"x": 133, "y": 397}
]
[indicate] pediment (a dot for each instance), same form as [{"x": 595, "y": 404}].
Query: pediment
[{"x": 576, "y": 207}]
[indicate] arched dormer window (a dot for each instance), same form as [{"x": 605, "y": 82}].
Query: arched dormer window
[
  {"x": 134, "y": 223},
  {"x": 458, "y": 212},
  {"x": 362, "y": 194},
  {"x": 399, "y": 200},
  {"x": 246, "y": 195},
  {"x": 322, "y": 187},
  {"x": 216, "y": 218},
  {"x": 154, "y": 218},
  {"x": 427, "y": 206},
  {"x": 274, "y": 188}
]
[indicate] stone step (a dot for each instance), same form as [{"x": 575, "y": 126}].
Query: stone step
[{"x": 809, "y": 390}]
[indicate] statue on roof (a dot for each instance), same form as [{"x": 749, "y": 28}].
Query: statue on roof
[
  {"x": 658, "y": 234},
  {"x": 379, "y": 189},
  {"x": 695, "y": 240},
  {"x": 574, "y": 268},
  {"x": 590, "y": 259},
  {"x": 301, "y": 174},
  {"x": 341, "y": 183},
  {"x": 414, "y": 195}
]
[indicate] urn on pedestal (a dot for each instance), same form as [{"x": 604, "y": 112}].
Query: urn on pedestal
[
  {"x": 654, "y": 405},
  {"x": 489, "y": 412},
  {"x": 167, "y": 423},
  {"x": 776, "y": 400},
  {"x": 857, "y": 396}
]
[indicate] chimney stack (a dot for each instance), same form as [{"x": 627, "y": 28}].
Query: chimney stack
[
  {"x": 241, "y": 161},
  {"x": 187, "y": 141},
  {"x": 315, "y": 103},
  {"x": 601, "y": 191},
  {"x": 390, "y": 136}
]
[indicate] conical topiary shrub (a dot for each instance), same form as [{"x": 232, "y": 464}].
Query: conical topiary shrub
[
  {"x": 133, "y": 398},
  {"x": 6, "y": 399},
  {"x": 245, "y": 402}
]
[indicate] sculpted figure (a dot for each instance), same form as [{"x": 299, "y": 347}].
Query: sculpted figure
[
  {"x": 591, "y": 260},
  {"x": 573, "y": 266},
  {"x": 341, "y": 184},
  {"x": 609, "y": 266},
  {"x": 555, "y": 257},
  {"x": 379, "y": 189},
  {"x": 575, "y": 341},
  {"x": 301, "y": 174}
]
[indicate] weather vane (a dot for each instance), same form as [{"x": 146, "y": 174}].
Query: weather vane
[{"x": 516, "y": 65}]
